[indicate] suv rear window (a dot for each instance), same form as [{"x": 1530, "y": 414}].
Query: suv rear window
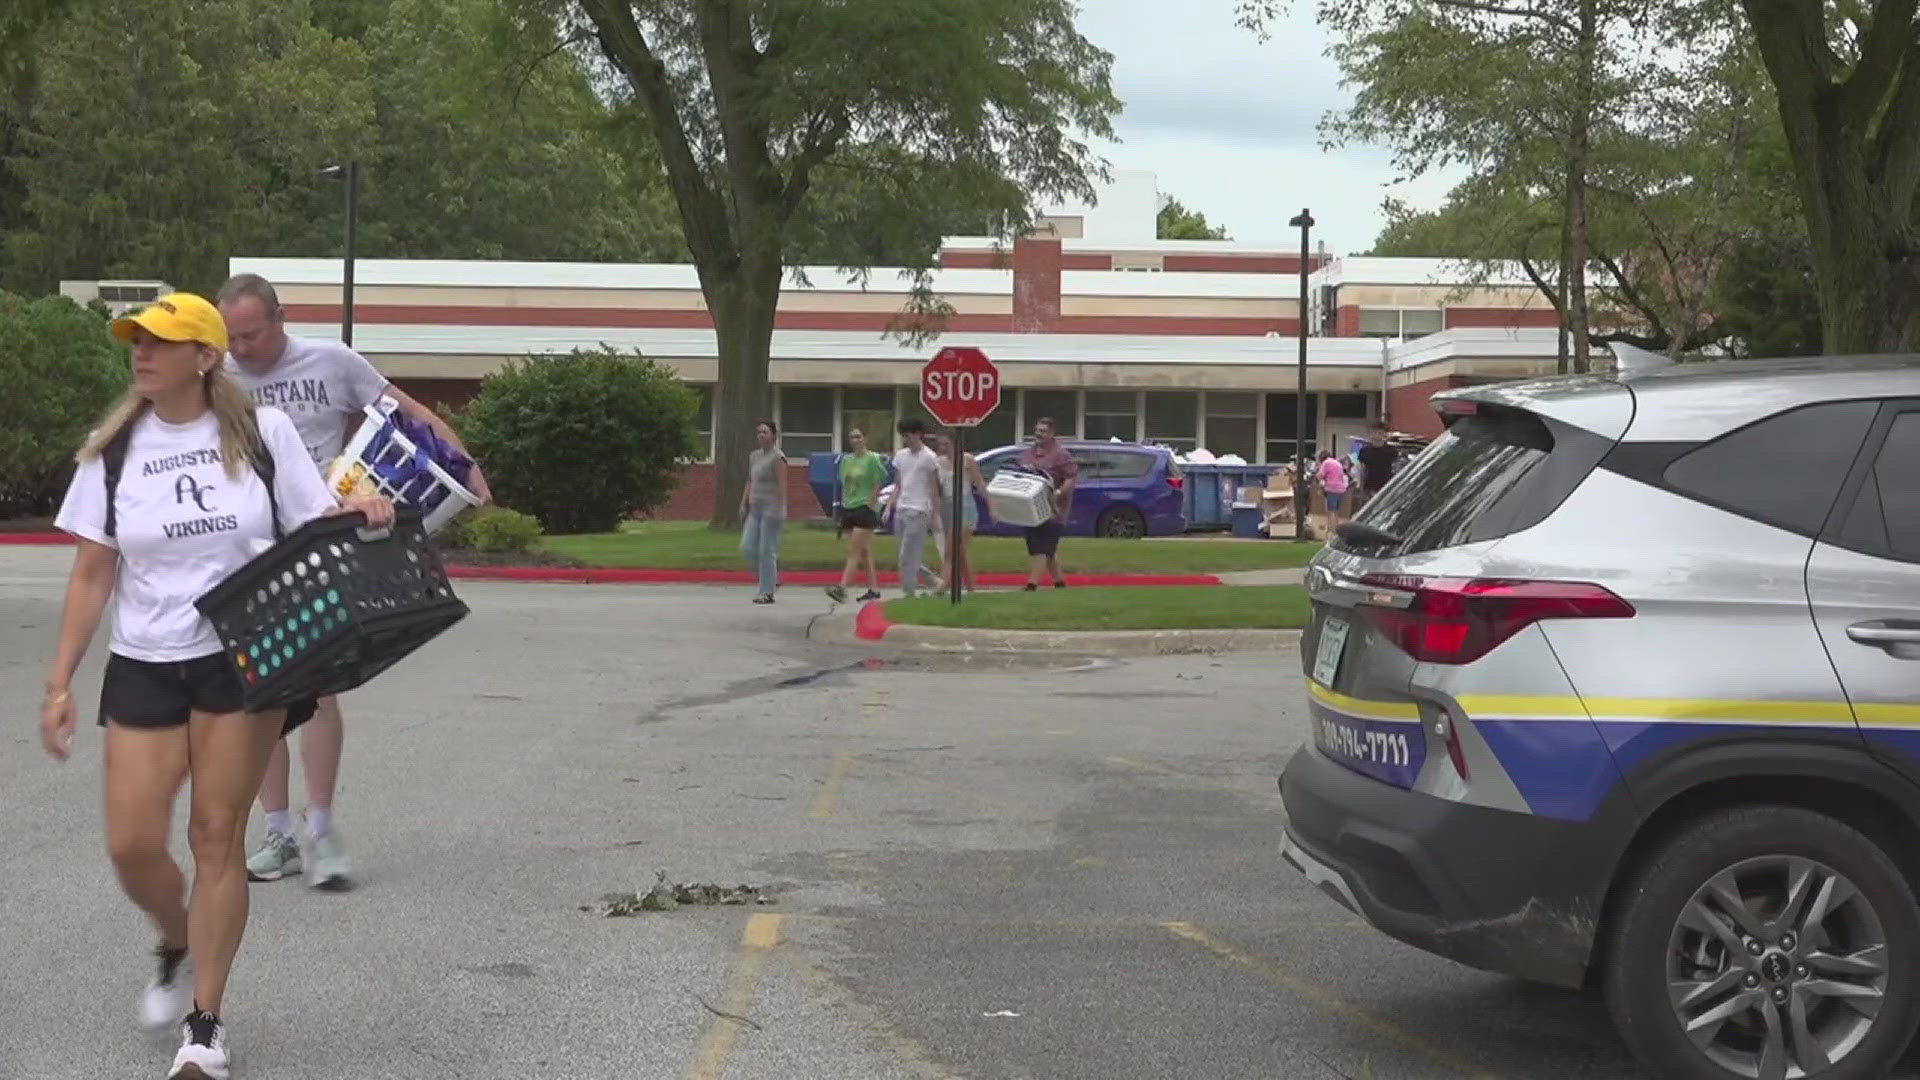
[{"x": 1457, "y": 491}]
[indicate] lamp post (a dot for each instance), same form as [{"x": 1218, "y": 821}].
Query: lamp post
[
  {"x": 1301, "y": 495},
  {"x": 350, "y": 172}
]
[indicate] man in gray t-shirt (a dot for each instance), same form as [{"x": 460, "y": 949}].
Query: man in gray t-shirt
[{"x": 323, "y": 386}]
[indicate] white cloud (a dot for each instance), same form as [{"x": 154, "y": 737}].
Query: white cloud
[{"x": 1229, "y": 123}]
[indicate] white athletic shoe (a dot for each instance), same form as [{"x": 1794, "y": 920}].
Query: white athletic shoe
[
  {"x": 169, "y": 997},
  {"x": 203, "y": 1049}
]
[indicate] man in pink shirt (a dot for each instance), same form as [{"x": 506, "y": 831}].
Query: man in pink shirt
[{"x": 1046, "y": 455}]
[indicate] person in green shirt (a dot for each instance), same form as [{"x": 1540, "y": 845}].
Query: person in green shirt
[{"x": 862, "y": 474}]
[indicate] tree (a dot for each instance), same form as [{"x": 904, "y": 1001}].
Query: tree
[
  {"x": 478, "y": 154},
  {"x": 184, "y": 150},
  {"x": 585, "y": 440},
  {"x": 1847, "y": 77},
  {"x": 1447, "y": 82},
  {"x": 750, "y": 103},
  {"x": 61, "y": 371},
  {"x": 1176, "y": 222}
]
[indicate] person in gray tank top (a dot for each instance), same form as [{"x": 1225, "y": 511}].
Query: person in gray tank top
[
  {"x": 323, "y": 386},
  {"x": 763, "y": 503}
]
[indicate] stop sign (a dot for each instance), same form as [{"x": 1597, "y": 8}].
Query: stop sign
[{"x": 960, "y": 387}]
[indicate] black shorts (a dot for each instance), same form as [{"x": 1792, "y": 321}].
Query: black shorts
[
  {"x": 143, "y": 694},
  {"x": 859, "y": 517},
  {"x": 1044, "y": 538}
]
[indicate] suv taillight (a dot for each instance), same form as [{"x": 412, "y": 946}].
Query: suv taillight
[{"x": 1458, "y": 621}]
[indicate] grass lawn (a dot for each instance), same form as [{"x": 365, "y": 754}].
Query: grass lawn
[
  {"x": 688, "y": 545},
  {"x": 1201, "y": 607}
]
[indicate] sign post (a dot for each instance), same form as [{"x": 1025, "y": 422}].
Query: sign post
[{"x": 959, "y": 387}]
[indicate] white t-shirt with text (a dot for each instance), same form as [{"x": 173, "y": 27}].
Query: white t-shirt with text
[
  {"x": 182, "y": 525},
  {"x": 323, "y": 385},
  {"x": 916, "y": 474}
]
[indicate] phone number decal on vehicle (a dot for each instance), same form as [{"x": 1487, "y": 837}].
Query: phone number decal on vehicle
[{"x": 1392, "y": 752}]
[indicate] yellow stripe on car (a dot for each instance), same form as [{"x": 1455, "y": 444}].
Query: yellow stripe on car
[{"x": 1359, "y": 709}]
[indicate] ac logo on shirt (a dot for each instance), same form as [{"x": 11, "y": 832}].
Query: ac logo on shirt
[{"x": 187, "y": 487}]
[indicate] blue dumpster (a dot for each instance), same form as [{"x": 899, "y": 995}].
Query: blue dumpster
[{"x": 1213, "y": 489}]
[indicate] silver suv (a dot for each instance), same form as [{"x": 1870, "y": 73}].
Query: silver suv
[{"x": 1618, "y": 684}]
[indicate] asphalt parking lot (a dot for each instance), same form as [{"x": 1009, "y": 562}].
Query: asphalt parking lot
[{"x": 1059, "y": 868}]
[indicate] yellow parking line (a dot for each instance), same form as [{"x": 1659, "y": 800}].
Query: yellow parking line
[
  {"x": 759, "y": 939},
  {"x": 830, "y": 790},
  {"x": 1331, "y": 1001}
]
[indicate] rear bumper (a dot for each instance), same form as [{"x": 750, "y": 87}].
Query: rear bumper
[{"x": 1505, "y": 892}]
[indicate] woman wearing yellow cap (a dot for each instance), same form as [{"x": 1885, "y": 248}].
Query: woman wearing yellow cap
[{"x": 187, "y": 509}]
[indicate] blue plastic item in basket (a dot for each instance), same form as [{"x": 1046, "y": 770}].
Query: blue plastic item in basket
[{"x": 408, "y": 476}]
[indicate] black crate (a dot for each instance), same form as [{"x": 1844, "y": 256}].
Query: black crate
[{"x": 330, "y": 607}]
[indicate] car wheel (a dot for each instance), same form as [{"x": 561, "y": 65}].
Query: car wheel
[
  {"x": 1765, "y": 943},
  {"x": 1121, "y": 523}
]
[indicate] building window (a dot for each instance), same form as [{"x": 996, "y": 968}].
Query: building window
[
  {"x": 1063, "y": 406},
  {"x": 1000, "y": 429},
  {"x": 871, "y": 409},
  {"x": 1283, "y": 424},
  {"x": 1347, "y": 406},
  {"x": 1233, "y": 425},
  {"x": 703, "y": 420},
  {"x": 1401, "y": 324},
  {"x": 1173, "y": 419},
  {"x": 1113, "y": 414},
  {"x": 806, "y": 420}
]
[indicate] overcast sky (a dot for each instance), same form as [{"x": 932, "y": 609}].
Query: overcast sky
[{"x": 1230, "y": 124}]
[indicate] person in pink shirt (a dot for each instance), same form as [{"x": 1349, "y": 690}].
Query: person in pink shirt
[{"x": 1333, "y": 485}]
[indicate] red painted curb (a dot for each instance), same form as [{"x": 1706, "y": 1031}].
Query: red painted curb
[
  {"x": 871, "y": 624},
  {"x": 641, "y": 576},
  {"x": 49, "y": 538}
]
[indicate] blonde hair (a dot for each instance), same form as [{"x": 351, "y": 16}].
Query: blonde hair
[{"x": 239, "y": 430}]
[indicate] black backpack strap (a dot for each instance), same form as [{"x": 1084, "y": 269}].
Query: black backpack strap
[
  {"x": 261, "y": 459},
  {"x": 113, "y": 460}
]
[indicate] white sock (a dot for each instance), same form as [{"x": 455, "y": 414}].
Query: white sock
[
  {"x": 280, "y": 821},
  {"x": 319, "y": 821}
]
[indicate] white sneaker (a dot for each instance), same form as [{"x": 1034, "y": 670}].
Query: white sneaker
[
  {"x": 331, "y": 870},
  {"x": 169, "y": 997},
  {"x": 203, "y": 1049}
]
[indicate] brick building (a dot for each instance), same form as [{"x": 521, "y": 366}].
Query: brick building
[{"x": 1092, "y": 322}]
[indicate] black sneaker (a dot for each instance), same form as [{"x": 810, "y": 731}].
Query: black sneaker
[
  {"x": 870, "y": 594},
  {"x": 203, "y": 1049},
  {"x": 1030, "y": 587},
  {"x": 1059, "y": 583},
  {"x": 763, "y": 598}
]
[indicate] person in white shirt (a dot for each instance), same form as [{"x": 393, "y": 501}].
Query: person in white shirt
[
  {"x": 187, "y": 510},
  {"x": 915, "y": 502},
  {"x": 323, "y": 386}
]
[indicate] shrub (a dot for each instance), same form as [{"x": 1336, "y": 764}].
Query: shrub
[
  {"x": 584, "y": 440},
  {"x": 493, "y": 528},
  {"x": 60, "y": 371}
]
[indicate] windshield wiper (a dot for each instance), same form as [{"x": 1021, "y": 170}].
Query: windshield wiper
[{"x": 1354, "y": 532}]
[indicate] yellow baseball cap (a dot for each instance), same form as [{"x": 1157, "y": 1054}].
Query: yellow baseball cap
[{"x": 176, "y": 317}]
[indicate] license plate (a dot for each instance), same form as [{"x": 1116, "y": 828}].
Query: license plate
[{"x": 1333, "y": 643}]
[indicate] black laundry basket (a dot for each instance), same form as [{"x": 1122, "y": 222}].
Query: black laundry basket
[{"x": 330, "y": 607}]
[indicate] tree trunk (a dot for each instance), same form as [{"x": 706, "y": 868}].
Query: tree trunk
[
  {"x": 743, "y": 307},
  {"x": 1578, "y": 155},
  {"x": 1564, "y": 364},
  {"x": 1855, "y": 143},
  {"x": 1864, "y": 253}
]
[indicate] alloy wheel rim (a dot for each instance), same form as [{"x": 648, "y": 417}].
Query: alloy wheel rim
[{"x": 1777, "y": 968}]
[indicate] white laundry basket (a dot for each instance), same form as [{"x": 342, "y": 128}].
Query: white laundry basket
[
  {"x": 1020, "y": 498},
  {"x": 431, "y": 489}
]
